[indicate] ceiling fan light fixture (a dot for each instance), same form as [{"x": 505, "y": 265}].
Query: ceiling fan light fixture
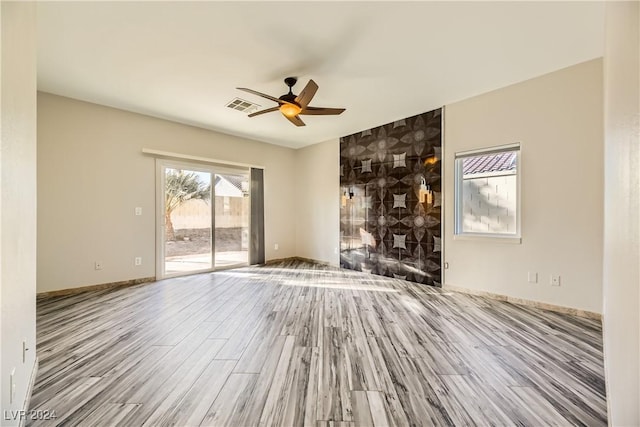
[{"x": 290, "y": 110}]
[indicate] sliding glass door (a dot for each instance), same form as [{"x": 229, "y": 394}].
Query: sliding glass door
[
  {"x": 203, "y": 218},
  {"x": 231, "y": 220}
]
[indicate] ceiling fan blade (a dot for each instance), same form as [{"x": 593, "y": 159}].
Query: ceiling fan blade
[
  {"x": 268, "y": 110},
  {"x": 264, "y": 95},
  {"x": 307, "y": 94},
  {"x": 321, "y": 111},
  {"x": 295, "y": 120}
]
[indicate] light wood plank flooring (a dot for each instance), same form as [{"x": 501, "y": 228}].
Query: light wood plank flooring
[{"x": 297, "y": 344}]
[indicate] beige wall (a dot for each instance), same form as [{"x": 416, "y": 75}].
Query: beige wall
[
  {"x": 557, "y": 118},
  {"x": 18, "y": 201},
  {"x": 621, "y": 278},
  {"x": 317, "y": 201},
  {"x": 92, "y": 174}
]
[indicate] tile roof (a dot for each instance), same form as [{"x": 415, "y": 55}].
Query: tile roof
[{"x": 489, "y": 163}]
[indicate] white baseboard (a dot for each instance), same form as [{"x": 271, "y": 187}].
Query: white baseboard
[
  {"x": 529, "y": 303},
  {"x": 99, "y": 287}
]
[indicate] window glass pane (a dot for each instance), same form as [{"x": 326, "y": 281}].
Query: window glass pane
[
  {"x": 187, "y": 231},
  {"x": 231, "y": 219},
  {"x": 488, "y": 199}
]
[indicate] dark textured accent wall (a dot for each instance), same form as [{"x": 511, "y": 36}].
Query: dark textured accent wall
[{"x": 384, "y": 228}]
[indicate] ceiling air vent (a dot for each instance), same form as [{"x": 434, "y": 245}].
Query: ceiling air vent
[{"x": 243, "y": 105}]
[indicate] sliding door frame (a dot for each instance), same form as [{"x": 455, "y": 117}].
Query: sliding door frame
[{"x": 213, "y": 170}]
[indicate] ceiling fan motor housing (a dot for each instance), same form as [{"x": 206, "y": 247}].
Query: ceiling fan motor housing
[{"x": 289, "y": 97}]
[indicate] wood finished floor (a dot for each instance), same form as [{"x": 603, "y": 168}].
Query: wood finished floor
[{"x": 298, "y": 344}]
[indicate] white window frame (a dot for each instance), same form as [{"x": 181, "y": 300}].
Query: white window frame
[{"x": 459, "y": 234}]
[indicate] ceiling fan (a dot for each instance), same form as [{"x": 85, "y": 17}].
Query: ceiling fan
[{"x": 291, "y": 105}]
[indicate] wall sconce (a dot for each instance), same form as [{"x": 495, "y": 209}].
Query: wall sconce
[
  {"x": 350, "y": 195},
  {"x": 429, "y": 195},
  {"x": 431, "y": 160},
  {"x": 426, "y": 194}
]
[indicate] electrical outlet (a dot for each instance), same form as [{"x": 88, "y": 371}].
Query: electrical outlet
[
  {"x": 98, "y": 265},
  {"x": 555, "y": 280},
  {"x": 532, "y": 277},
  {"x": 335, "y": 250},
  {"x": 138, "y": 211},
  {"x": 138, "y": 260},
  {"x": 276, "y": 246}
]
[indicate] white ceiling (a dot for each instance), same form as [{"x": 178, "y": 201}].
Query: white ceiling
[{"x": 381, "y": 61}]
